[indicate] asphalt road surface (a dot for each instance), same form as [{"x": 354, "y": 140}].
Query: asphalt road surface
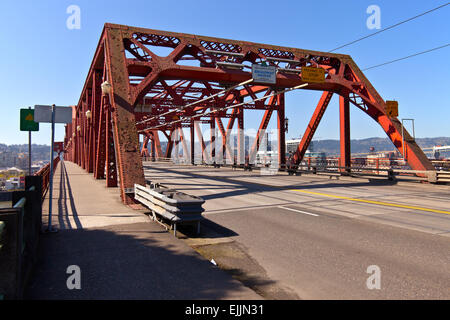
[{"x": 311, "y": 237}]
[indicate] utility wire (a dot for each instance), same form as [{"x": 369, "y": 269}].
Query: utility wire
[
  {"x": 390, "y": 27},
  {"x": 407, "y": 57}
]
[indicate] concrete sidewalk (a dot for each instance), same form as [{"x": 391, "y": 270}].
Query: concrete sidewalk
[{"x": 120, "y": 252}]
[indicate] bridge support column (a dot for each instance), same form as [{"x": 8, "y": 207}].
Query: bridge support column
[
  {"x": 144, "y": 149},
  {"x": 153, "y": 147},
  {"x": 344, "y": 121},
  {"x": 182, "y": 140},
  {"x": 96, "y": 116},
  {"x": 156, "y": 144},
  {"x": 213, "y": 139},
  {"x": 281, "y": 126},
  {"x": 111, "y": 171},
  {"x": 169, "y": 145},
  {"x": 100, "y": 157},
  {"x": 192, "y": 142},
  {"x": 240, "y": 136}
]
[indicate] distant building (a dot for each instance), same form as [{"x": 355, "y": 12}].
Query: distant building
[
  {"x": 12, "y": 159},
  {"x": 15, "y": 172},
  {"x": 12, "y": 179}
]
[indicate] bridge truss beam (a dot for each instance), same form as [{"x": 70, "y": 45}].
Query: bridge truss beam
[{"x": 152, "y": 89}]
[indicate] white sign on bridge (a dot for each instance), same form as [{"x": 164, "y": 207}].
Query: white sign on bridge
[
  {"x": 44, "y": 114},
  {"x": 264, "y": 74}
]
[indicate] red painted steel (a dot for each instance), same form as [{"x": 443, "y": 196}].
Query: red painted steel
[
  {"x": 44, "y": 172},
  {"x": 146, "y": 83},
  {"x": 344, "y": 129},
  {"x": 312, "y": 126}
]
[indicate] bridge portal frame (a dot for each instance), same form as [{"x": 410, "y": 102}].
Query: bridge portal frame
[{"x": 146, "y": 83}]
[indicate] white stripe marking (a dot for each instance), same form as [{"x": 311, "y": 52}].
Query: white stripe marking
[{"x": 308, "y": 213}]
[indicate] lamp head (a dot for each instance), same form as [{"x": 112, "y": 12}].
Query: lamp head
[{"x": 106, "y": 87}]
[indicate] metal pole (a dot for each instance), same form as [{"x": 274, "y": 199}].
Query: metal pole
[
  {"x": 50, "y": 200},
  {"x": 29, "y": 151},
  {"x": 403, "y": 143}
]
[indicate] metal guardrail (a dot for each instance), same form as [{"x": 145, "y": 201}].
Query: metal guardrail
[
  {"x": 441, "y": 165},
  {"x": 398, "y": 172},
  {"x": 443, "y": 176},
  {"x": 159, "y": 159},
  {"x": 173, "y": 206}
]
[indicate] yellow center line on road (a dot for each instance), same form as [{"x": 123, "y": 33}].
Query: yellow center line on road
[{"x": 372, "y": 202}]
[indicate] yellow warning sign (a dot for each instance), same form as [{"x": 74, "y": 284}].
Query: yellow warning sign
[
  {"x": 392, "y": 108},
  {"x": 312, "y": 74},
  {"x": 29, "y": 117}
]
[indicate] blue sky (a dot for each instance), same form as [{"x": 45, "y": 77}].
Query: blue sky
[{"x": 43, "y": 62}]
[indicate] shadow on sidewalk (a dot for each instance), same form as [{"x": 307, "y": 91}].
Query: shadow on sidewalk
[
  {"x": 128, "y": 262},
  {"x": 63, "y": 212}
]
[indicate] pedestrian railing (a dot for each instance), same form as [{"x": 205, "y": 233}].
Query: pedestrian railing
[
  {"x": 20, "y": 226},
  {"x": 159, "y": 159},
  {"x": 44, "y": 172}
]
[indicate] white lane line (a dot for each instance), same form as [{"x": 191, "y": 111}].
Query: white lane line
[{"x": 299, "y": 211}]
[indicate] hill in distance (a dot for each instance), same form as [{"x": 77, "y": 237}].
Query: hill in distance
[
  {"x": 329, "y": 146},
  {"x": 380, "y": 144}
]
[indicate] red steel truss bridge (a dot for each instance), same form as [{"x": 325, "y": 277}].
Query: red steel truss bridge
[{"x": 132, "y": 89}]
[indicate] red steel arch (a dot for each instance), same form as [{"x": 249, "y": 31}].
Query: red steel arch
[{"x": 146, "y": 83}]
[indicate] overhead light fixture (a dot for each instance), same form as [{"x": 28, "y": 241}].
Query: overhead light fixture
[
  {"x": 287, "y": 70},
  {"x": 282, "y": 60},
  {"x": 231, "y": 65},
  {"x": 89, "y": 114},
  {"x": 224, "y": 53}
]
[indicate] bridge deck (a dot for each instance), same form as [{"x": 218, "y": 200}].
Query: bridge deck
[
  {"x": 316, "y": 237},
  {"x": 423, "y": 207},
  {"x": 120, "y": 253}
]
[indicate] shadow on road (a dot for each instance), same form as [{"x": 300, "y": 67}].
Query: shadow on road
[{"x": 245, "y": 187}]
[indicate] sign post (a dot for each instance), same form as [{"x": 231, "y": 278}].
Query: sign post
[
  {"x": 27, "y": 123},
  {"x": 50, "y": 186},
  {"x": 29, "y": 153},
  {"x": 52, "y": 114}
]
